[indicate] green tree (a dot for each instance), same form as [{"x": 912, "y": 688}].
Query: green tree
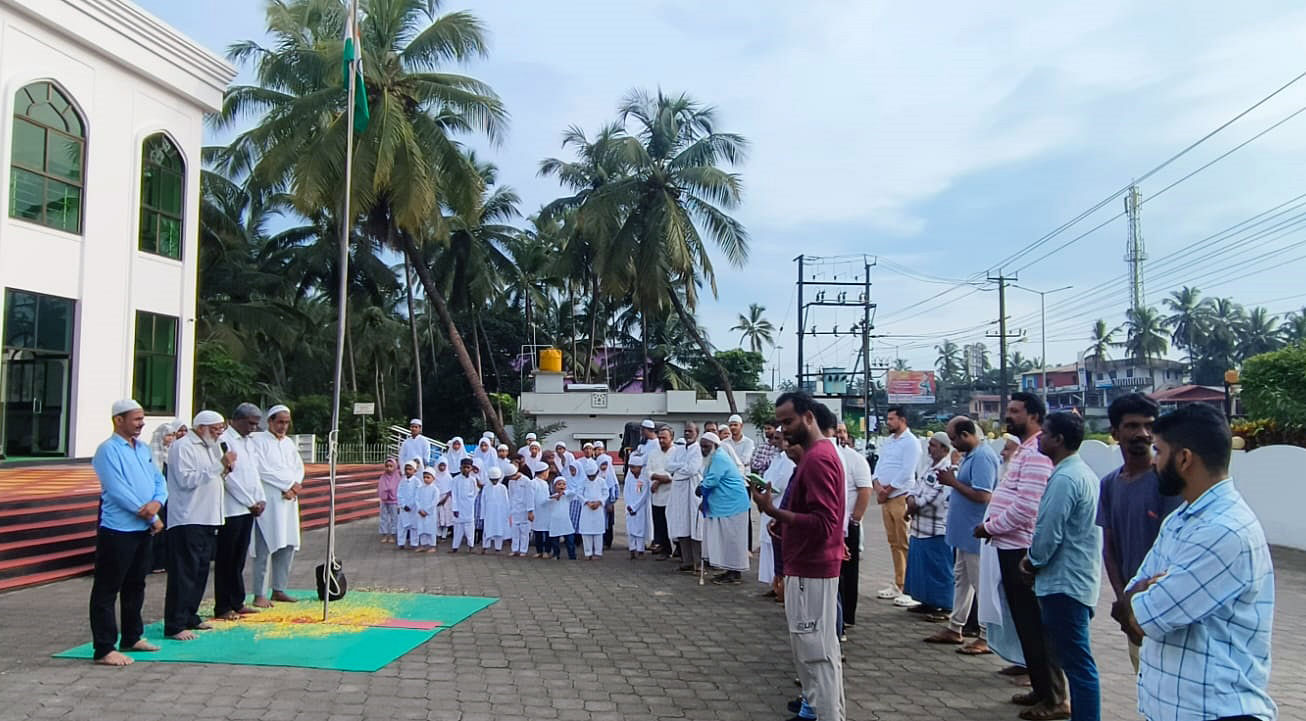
[
  {"x": 755, "y": 329},
  {"x": 1259, "y": 334},
  {"x": 1102, "y": 340},
  {"x": 1293, "y": 329},
  {"x": 408, "y": 162},
  {"x": 1189, "y": 312},
  {"x": 948, "y": 363},
  {"x": 1274, "y": 386},
  {"x": 1145, "y": 337},
  {"x": 743, "y": 367}
]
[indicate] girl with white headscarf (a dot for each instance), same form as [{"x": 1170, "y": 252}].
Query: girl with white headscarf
[
  {"x": 444, "y": 506},
  {"x": 456, "y": 453}
]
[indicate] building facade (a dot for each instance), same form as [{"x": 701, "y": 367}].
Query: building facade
[
  {"x": 1090, "y": 385},
  {"x": 101, "y": 129}
]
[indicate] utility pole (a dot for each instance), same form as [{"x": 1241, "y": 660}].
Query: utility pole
[
  {"x": 802, "y": 325},
  {"x": 1002, "y": 280},
  {"x": 1135, "y": 253},
  {"x": 832, "y": 292},
  {"x": 866, "y": 354},
  {"x": 1043, "y": 333}
]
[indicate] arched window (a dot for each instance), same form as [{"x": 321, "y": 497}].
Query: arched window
[
  {"x": 163, "y": 182},
  {"x": 46, "y": 180}
]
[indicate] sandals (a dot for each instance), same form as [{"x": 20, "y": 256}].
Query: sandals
[
  {"x": 975, "y": 649},
  {"x": 1046, "y": 713}
]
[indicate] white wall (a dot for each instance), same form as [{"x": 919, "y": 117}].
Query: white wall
[{"x": 131, "y": 77}]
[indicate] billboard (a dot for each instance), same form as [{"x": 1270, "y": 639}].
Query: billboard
[{"x": 910, "y": 387}]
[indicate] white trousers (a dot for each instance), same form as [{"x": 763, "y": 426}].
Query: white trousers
[
  {"x": 814, "y": 639},
  {"x": 407, "y": 536},
  {"x": 965, "y": 580},
  {"x": 487, "y": 539},
  {"x": 463, "y": 529},
  {"x": 388, "y": 521},
  {"x": 635, "y": 543},
  {"x": 281, "y": 559},
  {"x": 593, "y": 543},
  {"x": 426, "y": 539},
  {"x": 521, "y": 537}
]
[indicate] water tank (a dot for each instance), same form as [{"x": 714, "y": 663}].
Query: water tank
[{"x": 551, "y": 360}]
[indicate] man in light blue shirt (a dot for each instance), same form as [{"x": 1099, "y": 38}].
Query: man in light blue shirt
[
  {"x": 1204, "y": 597},
  {"x": 1065, "y": 559},
  {"x": 131, "y": 493}
]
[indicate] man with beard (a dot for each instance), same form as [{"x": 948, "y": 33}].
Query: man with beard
[
  {"x": 1009, "y": 524},
  {"x": 1131, "y": 507},
  {"x": 1064, "y": 562},
  {"x": 812, "y": 546},
  {"x": 197, "y": 466},
  {"x": 1204, "y": 595}
]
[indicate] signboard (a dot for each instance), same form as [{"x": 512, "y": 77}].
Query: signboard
[
  {"x": 907, "y": 387},
  {"x": 364, "y": 409}
]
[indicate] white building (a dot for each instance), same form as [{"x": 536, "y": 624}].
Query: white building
[
  {"x": 101, "y": 128},
  {"x": 592, "y": 413}
]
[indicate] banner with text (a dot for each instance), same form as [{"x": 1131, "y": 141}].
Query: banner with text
[{"x": 910, "y": 387}]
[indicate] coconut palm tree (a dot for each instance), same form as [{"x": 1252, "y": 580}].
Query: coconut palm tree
[
  {"x": 755, "y": 329},
  {"x": 1103, "y": 339},
  {"x": 1145, "y": 337},
  {"x": 1188, "y": 312},
  {"x": 948, "y": 363},
  {"x": 674, "y": 193},
  {"x": 408, "y": 162},
  {"x": 1259, "y": 334},
  {"x": 1293, "y": 329}
]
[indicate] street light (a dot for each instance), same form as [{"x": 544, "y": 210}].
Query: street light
[{"x": 1043, "y": 331}]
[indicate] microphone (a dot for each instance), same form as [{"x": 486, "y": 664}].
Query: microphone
[{"x": 223, "y": 446}]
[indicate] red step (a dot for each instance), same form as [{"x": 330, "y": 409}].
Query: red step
[
  {"x": 15, "y": 563},
  {"x": 44, "y": 577}
]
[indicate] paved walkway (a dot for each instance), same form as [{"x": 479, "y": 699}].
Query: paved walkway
[{"x": 569, "y": 641}]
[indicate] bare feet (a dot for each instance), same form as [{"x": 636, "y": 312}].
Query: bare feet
[
  {"x": 143, "y": 645},
  {"x": 228, "y": 616},
  {"x": 183, "y": 636},
  {"x": 113, "y": 658},
  {"x": 203, "y": 626},
  {"x": 262, "y": 602},
  {"x": 283, "y": 597},
  {"x": 247, "y": 610}
]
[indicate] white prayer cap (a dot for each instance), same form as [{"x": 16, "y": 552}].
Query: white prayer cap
[
  {"x": 502, "y": 447},
  {"x": 1010, "y": 438},
  {"x": 599, "y": 444},
  {"x": 206, "y": 418},
  {"x": 587, "y": 444},
  {"x": 487, "y": 434},
  {"x": 711, "y": 437},
  {"x": 277, "y": 409},
  {"x": 496, "y": 472},
  {"x": 414, "y": 422},
  {"x": 942, "y": 438},
  {"x": 561, "y": 444},
  {"x": 679, "y": 442},
  {"x": 636, "y": 459},
  {"x": 734, "y": 419},
  {"x": 531, "y": 436},
  {"x": 533, "y": 444},
  {"x": 428, "y": 471},
  {"x": 537, "y": 466},
  {"x": 589, "y": 467},
  {"x": 648, "y": 423},
  {"x": 411, "y": 463},
  {"x": 126, "y": 405}
]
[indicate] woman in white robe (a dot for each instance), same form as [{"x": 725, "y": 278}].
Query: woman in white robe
[
  {"x": 428, "y": 494},
  {"x": 455, "y": 453},
  {"x": 636, "y": 496},
  {"x": 593, "y": 521},
  {"x": 494, "y": 504}
]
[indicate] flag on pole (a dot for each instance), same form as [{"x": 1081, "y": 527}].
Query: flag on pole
[{"x": 354, "y": 57}]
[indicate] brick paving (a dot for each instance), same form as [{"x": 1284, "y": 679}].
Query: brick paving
[{"x": 569, "y": 641}]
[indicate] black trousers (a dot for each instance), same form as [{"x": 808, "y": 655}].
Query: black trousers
[
  {"x": 660, "y": 536},
  {"x": 607, "y": 534},
  {"x": 848, "y": 574},
  {"x": 122, "y": 561},
  {"x": 1045, "y": 676},
  {"x": 190, "y": 549},
  {"x": 229, "y": 563},
  {"x": 159, "y": 544}
]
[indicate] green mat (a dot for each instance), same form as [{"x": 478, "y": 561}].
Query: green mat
[{"x": 352, "y": 641}]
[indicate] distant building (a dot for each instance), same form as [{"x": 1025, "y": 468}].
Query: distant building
[
  {"x": 984, "y": 407},
  {"x": 1172, "y": 398},
  {"x": 102, "y": 123},
  {"x": 1090, "y": 385}
]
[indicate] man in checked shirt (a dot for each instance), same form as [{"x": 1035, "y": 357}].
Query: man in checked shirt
[{"x": 1204, "y": 597}]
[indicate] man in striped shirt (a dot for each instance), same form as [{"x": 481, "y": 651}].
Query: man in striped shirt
[{"x": 1009, "y": 525}]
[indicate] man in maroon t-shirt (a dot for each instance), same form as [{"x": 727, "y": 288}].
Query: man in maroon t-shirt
[{"x": 811, "y": 529}]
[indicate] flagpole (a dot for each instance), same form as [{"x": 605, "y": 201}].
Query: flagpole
[{"x": 346, "y": 222}]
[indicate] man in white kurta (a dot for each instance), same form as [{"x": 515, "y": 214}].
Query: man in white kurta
[
  {"x": 777, "y": 478},
  {"x": 416, "y": 448},
  {"x": 243, "y": 501},
  {"x": 684, "y": 522},
  {"x": 276, "y": 532},
  {"x": 196, "y": 465},
  {"x": 524, "y": 451},
  {"x": 738, "y": 443},
  {"x": 656, "y": 453}
]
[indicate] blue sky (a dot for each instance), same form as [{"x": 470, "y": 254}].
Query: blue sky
[{"x": 940, "y": 137}]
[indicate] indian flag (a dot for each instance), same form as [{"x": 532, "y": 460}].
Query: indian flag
[{"x": 354, "y": 57}]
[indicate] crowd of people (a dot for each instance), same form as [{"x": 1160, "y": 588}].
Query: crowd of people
[
  {"x": 198, "y": 496},
  {"x": 1005, "y": 547}
]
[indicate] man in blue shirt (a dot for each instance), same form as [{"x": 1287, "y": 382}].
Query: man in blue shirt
[
  {"x": 1130, "y": 505},
  {"x": 972, "y": 487},
  {"x": 131, "y": 493},
  {"x": 1204, "y": 596},
  {"x": 1065, "y": 560}
]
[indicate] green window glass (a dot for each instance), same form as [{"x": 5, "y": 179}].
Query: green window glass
[
  {"x": 49, "y": 154},
  {"x": 154, "y": 383},
  {"x": 163, "y": 177}
]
